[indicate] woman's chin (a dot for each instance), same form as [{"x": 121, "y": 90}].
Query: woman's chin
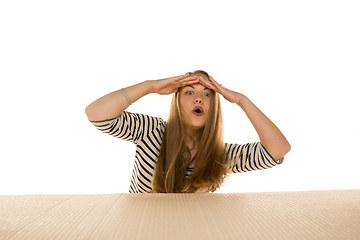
[{"x": 196, "y": 126}]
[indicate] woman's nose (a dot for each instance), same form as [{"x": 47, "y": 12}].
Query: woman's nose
[{"x": 198, "y": 100}]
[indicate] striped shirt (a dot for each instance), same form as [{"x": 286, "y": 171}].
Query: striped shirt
[{"x": 147, "y": 133}]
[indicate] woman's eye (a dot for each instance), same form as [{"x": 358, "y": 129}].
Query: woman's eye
[
  {"x": 189, "y": 93},
  {"x": 207, "y": 94}
]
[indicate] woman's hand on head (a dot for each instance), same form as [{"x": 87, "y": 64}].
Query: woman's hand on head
[
  {"x": 230, "y": 95},
  {"x": 170, "y": 85}
]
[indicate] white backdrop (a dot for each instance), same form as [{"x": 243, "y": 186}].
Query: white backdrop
[{"x": 298, "y": 61}]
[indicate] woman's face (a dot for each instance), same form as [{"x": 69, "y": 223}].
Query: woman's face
[{"x": 195, "y": 104}]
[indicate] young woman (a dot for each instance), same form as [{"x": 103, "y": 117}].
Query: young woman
[{"x": 186, "y": 153}]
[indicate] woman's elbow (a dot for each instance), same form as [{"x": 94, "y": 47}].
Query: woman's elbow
[
  {"x": 287, "y": 148},
  {"x": 284, "y": 150},
  {"x": 280, "y": 151},
  {"x": 89, "y": 112}
]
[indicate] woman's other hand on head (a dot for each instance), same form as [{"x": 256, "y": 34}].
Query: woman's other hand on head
[
  {"x": 170, "y": 85},
  {"x": 230, "y": 95}
]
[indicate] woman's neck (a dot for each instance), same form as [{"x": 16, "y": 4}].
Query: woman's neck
[{"x": 192, "y": 138}]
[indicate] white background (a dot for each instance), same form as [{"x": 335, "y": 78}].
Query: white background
[{"x": 298, "y": 61}]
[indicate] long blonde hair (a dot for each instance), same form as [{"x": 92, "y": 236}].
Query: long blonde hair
[{"x": 211, "y": 166}]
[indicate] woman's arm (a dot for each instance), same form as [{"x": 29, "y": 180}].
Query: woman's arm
[
  {"x": 113, "y": 104},
  {"x": 270, "y": 136}
]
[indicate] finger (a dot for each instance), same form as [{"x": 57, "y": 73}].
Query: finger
[
  {"x": 205, "y": 83},
  {"x": 190, "y": 81},
  {"x": 217, "y": 85},
  {"x": 177, "y": 78},
  {"x": 187, "y": 80},
  {"x": 190, "y": 78},
  {"x": 185, "y": 75},
  {"x": 213, "y": 81},
  {"x": 208, "y": 84}
]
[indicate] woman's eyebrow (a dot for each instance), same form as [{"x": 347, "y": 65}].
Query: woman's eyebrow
[{"x": 205, "y": 88}]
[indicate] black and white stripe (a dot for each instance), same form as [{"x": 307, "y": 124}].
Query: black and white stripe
[{"x": 147, "y": 133}]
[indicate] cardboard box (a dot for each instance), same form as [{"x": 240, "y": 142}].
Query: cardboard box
[{"x": 280, "y": 215}]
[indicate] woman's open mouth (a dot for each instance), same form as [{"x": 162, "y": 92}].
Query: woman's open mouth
[{"x": 198, "y": 111}]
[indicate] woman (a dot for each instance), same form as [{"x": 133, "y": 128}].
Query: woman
[{"x": 186, "y": 153}]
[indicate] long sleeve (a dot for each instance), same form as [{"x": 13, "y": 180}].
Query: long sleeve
[
  {"x": 250, "y": 157},
  {"x": 128, "y": 126},
  {"x": 144, "y": 131}
]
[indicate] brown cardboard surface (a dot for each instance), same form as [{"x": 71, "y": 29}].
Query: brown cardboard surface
[{"x": 331, "y": 214}]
